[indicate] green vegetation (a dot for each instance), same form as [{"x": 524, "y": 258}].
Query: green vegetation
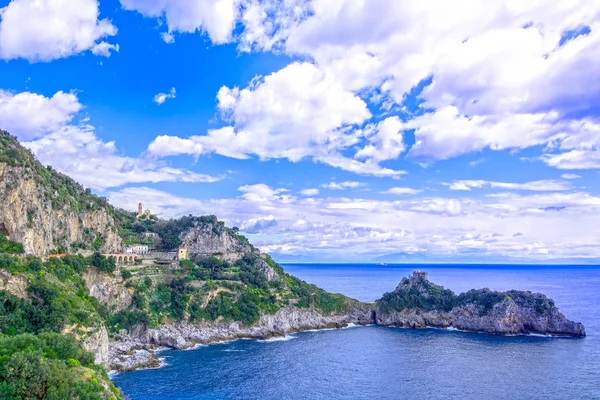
[
  {"x": 10, "y": 247},
  {"x": 423, "y": 296},
  {"x": 50, "y": 366},
  {"x": 56, "y": 298},
  {"x": 426, "y": 296},
  {"x": 62, "y": 192}
]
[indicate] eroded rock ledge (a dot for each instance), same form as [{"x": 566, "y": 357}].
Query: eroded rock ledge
[{"x": 501, "y": 313}]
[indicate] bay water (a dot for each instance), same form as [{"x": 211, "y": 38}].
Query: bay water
[{"x": 393, "y": 363}]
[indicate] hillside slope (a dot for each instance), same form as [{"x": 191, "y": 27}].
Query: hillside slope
[{"x": 46, "y": 210}]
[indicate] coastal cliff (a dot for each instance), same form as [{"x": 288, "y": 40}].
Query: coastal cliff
[
  {"x": 45, "y": 210},
  {"x": 115, "y": 313},
  {"x": 431, "y": 306}
]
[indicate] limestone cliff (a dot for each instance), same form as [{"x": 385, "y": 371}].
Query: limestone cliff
[
  {"x": 136, "y": 349},
  {"x": 207, "y": 239},
  {"x": 109, "y": 290},
  {"x": 45, "y": 210},
  {"x": 14, "y": 284}
]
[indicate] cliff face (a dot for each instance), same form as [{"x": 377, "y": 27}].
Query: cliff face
[
  {"x": 15, "y": 284},
  {"x": 109, "y": 290},
  {"x": 43, "y": 209},
  {"x": 136, "y": 349},
  {"x": 207, "y": 239}
]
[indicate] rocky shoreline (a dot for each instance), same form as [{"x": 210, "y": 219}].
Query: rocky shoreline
[{"x": 137, "y": 349}]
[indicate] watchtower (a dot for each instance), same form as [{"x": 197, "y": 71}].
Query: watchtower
[
  {"x": 140, "y": 210},
  {"x": 417, "y": 275}
]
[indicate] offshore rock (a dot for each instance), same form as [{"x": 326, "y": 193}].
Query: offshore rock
[{"x": 501, "y": 313}]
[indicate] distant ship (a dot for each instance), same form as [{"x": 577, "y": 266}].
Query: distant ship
[{"x": 382, "y": 264}]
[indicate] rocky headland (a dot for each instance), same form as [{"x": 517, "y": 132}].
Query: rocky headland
[
  {"x": 483, "y": 311},
  {"x": 63, "y": 271}
]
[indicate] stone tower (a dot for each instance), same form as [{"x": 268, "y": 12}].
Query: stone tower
[{"x": 140, "y": 210}]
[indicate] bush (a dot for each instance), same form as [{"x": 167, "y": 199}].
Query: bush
[
  {"x": 10, "y": 247},
  {"x": 45, "y": 367}
]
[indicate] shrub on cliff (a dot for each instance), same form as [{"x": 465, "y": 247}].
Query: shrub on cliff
[
  {"x": 10, "y": 247},
  {"x": 48, "y": 366}
]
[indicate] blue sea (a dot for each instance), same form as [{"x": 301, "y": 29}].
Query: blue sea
[{"x": 392, "y": 363}]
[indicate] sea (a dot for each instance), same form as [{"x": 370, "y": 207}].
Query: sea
[{"x": 393, "y": 363}]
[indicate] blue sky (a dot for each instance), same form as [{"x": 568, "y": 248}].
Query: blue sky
[{"x": 324, "y": 129}]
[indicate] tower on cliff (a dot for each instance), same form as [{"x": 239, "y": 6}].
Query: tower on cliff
[{"x": 140, "y": 210}]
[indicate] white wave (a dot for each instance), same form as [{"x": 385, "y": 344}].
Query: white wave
[
  {"x": 195, "y": 347},
  {"x": 233, "y": 350},
  {"x": 277, "y": 339}
]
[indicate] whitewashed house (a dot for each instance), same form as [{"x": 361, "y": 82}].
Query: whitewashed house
[{"x": 137, "y": 249}]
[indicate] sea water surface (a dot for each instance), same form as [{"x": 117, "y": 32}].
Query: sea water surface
[{"x": 392, "y": 363}]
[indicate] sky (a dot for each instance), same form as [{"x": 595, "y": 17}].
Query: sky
[{"x": 326, "y": 130}]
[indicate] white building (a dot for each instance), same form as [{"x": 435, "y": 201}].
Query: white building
[
  {"x": 150, "y": 234},
  {"x": 137, "y": 249}
]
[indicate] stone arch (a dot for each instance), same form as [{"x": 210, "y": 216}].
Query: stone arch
[
  {"x": 131, "y": 259},
  {"x": 119, "y": 259}
]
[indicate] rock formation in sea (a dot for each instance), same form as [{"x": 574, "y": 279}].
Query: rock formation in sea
[{"x": 214, "y": 286}]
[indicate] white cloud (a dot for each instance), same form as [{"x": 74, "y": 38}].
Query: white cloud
[
  {"x": 160, "y": 98},
  {"x": 78, "y": 152},
  {"x": 295, "y": 113},
  {"x": 401, "y": 191},
  {"x": 43, "y": 30},
  {"x": 104, "y": 49},
  {"x": 48, "y": 127},
  {"x": 343, "y": 185},
  {"x": 167, "y": 37},
  {"x": 215, "y": 17},
  {"x": 535, "y": 186},
  {"x": 29, "y": 115},
  {"x": 538, "y": 226},
  {"x": 385, "y": 141},
  {"x": 309, "y": 192},
  {"x": 570, "y": 176},
  {"x": 475, "y": 163},
  {"x": 501, "y": 74}
]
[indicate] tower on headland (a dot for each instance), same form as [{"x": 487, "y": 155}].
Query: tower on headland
[
  {"x": 418, "y": 275},
  {"x": 140, "y": 210}
]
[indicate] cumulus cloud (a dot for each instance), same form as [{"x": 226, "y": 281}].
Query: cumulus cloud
[
  {"x": 50, "y": 127},
  {"x": 295, "y": 113},
  {"x": 44, "y": 30},
  {"x": 385, "y": 141},
  {"x": 493, "y": 76},
  {"x": 105, "y": 49},
  {"x": 160, "y": 98},
  {"x": 570, "y": 176},
  {"x": 29, "y": 115},
  {"x": 215, "y": 17},
  {"x": 538, "y": 226},
  {"x": 535, "y": 186},
  {"x": 78, "y": 152}
]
